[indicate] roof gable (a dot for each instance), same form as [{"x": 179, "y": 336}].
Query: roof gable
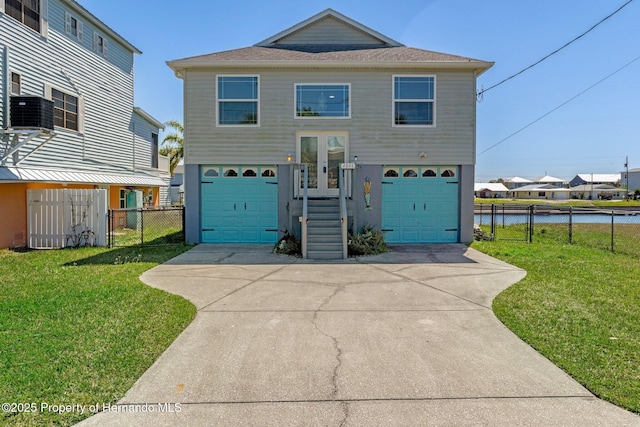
[{"x": 329, "y": 27}]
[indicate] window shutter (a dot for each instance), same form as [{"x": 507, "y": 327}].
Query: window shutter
[
  {"x": 104, "y": 47},
  {"x": 80, "y": 114},
  {"x": 80, "y": 31},
  {"x": 67, "y": 23},
  {"x": 44, "y": 18},
  {"x": 47, "y": 92},
  {"x": 95, "y": 42},
  {"x": 1, "y": 7}
]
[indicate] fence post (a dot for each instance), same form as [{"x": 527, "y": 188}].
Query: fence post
[
  {"x": 184, "y": 224},
  {"x": 531, "y": 216},
  {"x": 493, "y": 221},
  {"x": 109, "y": 228},
  {"x": 141, "y": 226},
  {"x": 612, "y": 228},
  {"x": 571, "y": 225}
]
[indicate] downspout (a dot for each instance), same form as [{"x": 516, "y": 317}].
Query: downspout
[
  {"x": 133, "y": 142},
  {"x": 6, "y": 86}
]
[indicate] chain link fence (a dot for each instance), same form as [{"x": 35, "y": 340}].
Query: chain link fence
[
  {"x": 616, "y": 230},
  {"x": 146, "y": 226}
]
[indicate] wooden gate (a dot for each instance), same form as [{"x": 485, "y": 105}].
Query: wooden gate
[{"x": 67, "y": 218}]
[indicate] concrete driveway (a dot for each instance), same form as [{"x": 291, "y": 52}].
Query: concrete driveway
[{"x": 400, "y": 339}]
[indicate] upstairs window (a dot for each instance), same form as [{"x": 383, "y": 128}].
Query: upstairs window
[
  {"x": 73, "y": 27},
  {"x": 154, "y": 150},
  {"x": 65, "y": 110},
  {"x": 16, "y": 84},
  {"x": 99, "y": 45},
  {"x": 413, "y": 100},
  {"x": 238, "y": 100},
  {"x": 322, "y": 100},
  {"x": 25, "y": 11}
]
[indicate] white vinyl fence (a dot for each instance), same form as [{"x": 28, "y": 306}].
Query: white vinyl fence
[{"x": 67, "y": 218}]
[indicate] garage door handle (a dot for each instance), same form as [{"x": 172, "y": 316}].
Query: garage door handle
[
  {"x": 425, "y": 206},
  {"x": 414, "y": 206},
  {"x": 245, "y": 206},
  {"x": 234, "y": 206}
]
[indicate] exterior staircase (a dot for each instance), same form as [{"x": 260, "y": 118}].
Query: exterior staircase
[{"x": 324, "y": 229}]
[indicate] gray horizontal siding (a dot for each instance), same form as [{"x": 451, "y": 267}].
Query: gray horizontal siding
[
  {"x": 329, "y": 31},
  {"x": 106, "y": 86},
  {"x": 372, "y": 136}
]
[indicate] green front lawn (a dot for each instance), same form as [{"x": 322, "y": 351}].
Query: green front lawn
[
  {"x": 580, "y": 308},
  {"x": 77, "y": 327}
]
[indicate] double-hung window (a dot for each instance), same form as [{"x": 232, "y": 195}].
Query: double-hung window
[
  {"x": 99, "y": 45},
  {"x": 16, "y": 84},
  {"x": 73, "y": 27},
  {"x": 65, "y": 110},
  {"x": 238, "y": 101},
  {"x": 414, "y": 100},
  {"x": 323, "y": 100},
  {"x": 25, "y": 11}
]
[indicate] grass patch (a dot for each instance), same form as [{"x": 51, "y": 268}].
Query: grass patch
[
  {"x": 77, "y": 327},
  {"x": 580, "y": 308}
]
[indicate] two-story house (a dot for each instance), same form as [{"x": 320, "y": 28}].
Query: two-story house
[
  {"x": 334, "y": 95},
  {"x": 67, "y": 115}
]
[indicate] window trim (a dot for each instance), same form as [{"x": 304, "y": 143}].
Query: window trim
[
  {"x": 42, "y": 23},
  {"x": 257, "y": 101},
  {"x": 13, "y": 73},
  {"x": 393, "y": 100},
  {"x": 68, "y": 17},
  {"x": 295, "y": 102},
  {"x": 96, "y": 44},
  {"x": 48, "y": 94}
]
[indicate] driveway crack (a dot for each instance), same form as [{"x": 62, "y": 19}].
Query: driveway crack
[{"x": 334, "y": 340}]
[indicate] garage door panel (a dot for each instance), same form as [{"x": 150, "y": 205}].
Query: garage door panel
[
  {"x": 422, "y": 208},
  {"x": 239, "y": 208}
]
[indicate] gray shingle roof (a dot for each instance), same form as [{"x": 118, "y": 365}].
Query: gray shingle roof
[{"x": 323, "y": 53}]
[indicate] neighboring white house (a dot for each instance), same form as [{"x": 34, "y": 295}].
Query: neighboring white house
[
  {"x": 67, "y": 115},
  {"x": 540, "y": 191},
  {"x": 329, "y": 91},
  {"x": 490, "y": 190},
  {"x": 597, "y": 191},
  {"x": 549, "y": 180},
  {"x": 516, "y": 182},
  {"x": 634, "y": 179}
]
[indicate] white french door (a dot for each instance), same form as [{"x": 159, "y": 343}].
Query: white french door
[{"x": 323, "y": 151}]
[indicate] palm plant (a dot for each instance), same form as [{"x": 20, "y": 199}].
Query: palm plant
[{"x": 173, "y": 144}]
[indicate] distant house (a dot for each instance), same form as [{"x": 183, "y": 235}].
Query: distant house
[
  {"x": 612, "y": 179},
  {"x": 549, "y": 180},
  {"x": 490, "y": 190},
  {"x": 540, "y": 191},
  {"x": 67, "y": 114},
  {"x": 634, "y": 179},
  {"x": 177, "y": 184},
  {"x": 516, "y": 182},
  {"x": 332, "y": 94},
  {"x": 597, "y": 191}
]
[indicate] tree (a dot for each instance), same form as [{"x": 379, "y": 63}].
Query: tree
[{"x": 173, "y": 144}]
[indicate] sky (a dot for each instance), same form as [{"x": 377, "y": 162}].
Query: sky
[{"x": 592, "y": 133}]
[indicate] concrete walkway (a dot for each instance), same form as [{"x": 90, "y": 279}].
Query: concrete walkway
[{"x": 401, "y": 339}]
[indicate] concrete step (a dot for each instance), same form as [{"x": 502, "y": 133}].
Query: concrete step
[
  {"x": 324, "y": 223},
  {"x": 324, "y": 254},
  {"x": 313, "y": 239}
]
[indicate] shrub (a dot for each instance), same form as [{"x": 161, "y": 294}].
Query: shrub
[
  {"x": 368, "y": 242},
  {"x": 288, "y": 245}
]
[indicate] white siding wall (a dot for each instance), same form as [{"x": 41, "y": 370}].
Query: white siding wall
[
  {"x": 104, "y": 85},
  {"x": 372, "y": 137}
]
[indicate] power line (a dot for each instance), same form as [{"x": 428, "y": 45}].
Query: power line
[
  {"x": 560, "y": 106},
  {"x": 479, "y": 94}
]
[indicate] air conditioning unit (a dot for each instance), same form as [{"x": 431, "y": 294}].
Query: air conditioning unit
[{"x": 31, "y": 112}]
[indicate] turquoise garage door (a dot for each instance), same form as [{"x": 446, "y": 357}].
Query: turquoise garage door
[
  {"x": 420, "y": 204},
  {"x": 239, "y": 204}
]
